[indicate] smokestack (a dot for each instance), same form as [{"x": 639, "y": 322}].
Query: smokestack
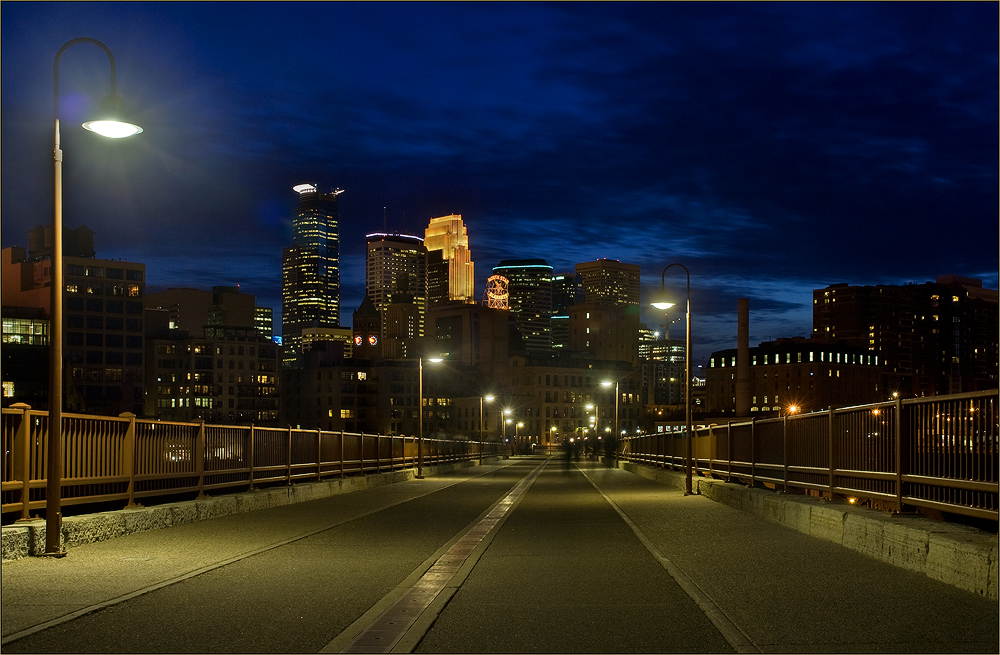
[{"x": 743, "y": 384}]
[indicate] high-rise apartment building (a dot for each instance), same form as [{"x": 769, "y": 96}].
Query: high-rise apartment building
[
  {"x": 103, "y": 326},
  {"x": 396, "y": 274},
  {"x": 529, "y": 289},
  {"x": 448, "y": 235},
  {"x": 939, "y": 337},
  {"x": 310, "y": 268},
  {"x": 609, "y": 282}
]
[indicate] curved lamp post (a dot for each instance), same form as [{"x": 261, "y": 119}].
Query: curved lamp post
[
  {"x": 687, "y": 369},
  {"x": 420, "y": 413},
  {"x": 108, "y": 123}
]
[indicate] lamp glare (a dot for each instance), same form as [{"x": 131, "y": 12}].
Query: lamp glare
[{"x": 113, "y": 129}]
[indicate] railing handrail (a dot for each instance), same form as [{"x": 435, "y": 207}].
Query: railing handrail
[
  {"x": 895, "y": 452},
  {"x": 128, "y": 458}
]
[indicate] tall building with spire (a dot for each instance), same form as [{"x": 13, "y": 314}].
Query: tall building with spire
[
  {"x": 310, "y": 269},
  {"x": 448, "y": 236}
]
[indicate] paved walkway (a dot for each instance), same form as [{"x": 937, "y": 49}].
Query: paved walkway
[{"x": 578, "y": 558}]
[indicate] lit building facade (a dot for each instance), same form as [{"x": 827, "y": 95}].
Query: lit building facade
[
  {"x": 310, "y": 268},
  {"x": 448, "y": 235},
  {"x": 939, "y": 337},
  {"x": 551, "y": 399},
  {"x": 207, "y": 358},
  {"x": 396, "y": 275},
  {"x": 229, "y": 376},
  {"x": 103, "y": 328},
  {"x": 609, "y": 281},
  {"x": 529, "y": 293},
  {"x": 25, "y": 353},
  {"x": 808, "y": 374}
]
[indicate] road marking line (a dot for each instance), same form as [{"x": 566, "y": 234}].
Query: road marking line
[
  {"x": 392, "y": 625},
  {"x": 736, "y": 637}
]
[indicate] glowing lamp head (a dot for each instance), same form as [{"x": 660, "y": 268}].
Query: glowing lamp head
[
  {"x": 662, "y": 305},
  {"x": 110, "y": 123}
]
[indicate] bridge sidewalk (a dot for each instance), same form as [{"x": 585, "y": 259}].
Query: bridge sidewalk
[
  {"x": 108, "y": 570},
  {"x": 955, "y": 554}
]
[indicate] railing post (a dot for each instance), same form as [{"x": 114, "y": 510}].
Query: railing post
[
  {"x": 128, "y": 457},
  {"x": 199, "y": 456},
  {"x": 361, "y": 450},
  {"x": 251, "y": 459},
  {"x": 831, "y": 457},
  {"x": 288, "y": 457},
  {"x": 902, "y": 451},
  {"x": 784, "y": 450},
  {"x": 341, "y": 453},
  {"x": 753, "y": 453},
  {"x": 729, "y": 441},
  {"x": 22, "y": 457},
  {"x": 319, "y": 454}
]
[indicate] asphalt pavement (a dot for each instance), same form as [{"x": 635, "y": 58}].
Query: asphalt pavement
[{"x": 524, "y": 555}]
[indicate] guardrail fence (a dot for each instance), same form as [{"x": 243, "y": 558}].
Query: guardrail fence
[
  {"x": 126, "y": 458},
  {"x": 939, "y": 453}
]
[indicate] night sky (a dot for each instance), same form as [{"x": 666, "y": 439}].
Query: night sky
[{"x": 773, "y": 149}]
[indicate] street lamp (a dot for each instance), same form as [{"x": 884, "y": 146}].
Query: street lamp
[
  {"x": 489, "y": 399},
  {"x": 687, "y": 368},
  {"x": 420, "y": 413},
  {"x": 607, "y": 384},
  {"x": 108, "y": 124}
]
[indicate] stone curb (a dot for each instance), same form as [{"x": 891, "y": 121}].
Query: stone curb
[
  {"x": 955, "y": 554},
  {"x": 28, "y": 538}
]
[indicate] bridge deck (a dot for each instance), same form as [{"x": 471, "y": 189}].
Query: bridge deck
[{"x": 580, "y": 558}]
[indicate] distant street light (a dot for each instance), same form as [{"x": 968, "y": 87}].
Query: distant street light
[
  {"x": 108, "y": 124},
  {"x": 661, "y": 304},
  {"x": 488, "y": 398},
  {"x": 420, "y": 413},
  {"x": 607, "y": 384}
]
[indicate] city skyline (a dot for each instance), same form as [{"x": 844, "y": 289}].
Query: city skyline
[{"x": 773, "y": 149}]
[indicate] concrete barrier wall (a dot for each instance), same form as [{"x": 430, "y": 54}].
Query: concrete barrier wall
[
  {"x": 955, "y": 554},
  {"x": 27, "y": 538}
]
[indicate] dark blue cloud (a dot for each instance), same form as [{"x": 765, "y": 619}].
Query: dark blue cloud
[{"x": 774, "y": 148}]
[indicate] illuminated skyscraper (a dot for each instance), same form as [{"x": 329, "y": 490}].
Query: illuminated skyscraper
[
  {"x": 448, "y": 235},
  {"x": 310, "y": 269},
  {"x": 609, "y": 282},
  {"x": 529, "y": 291},
  {"x": 396, "y": 283}
]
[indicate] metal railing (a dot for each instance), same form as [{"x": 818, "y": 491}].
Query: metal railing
[
  {"x": 127, "y": 459},
  {"x": 938, "y": 453}
]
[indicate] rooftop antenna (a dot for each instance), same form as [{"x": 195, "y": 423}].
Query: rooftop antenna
[{"x": 384, "y": 228}]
